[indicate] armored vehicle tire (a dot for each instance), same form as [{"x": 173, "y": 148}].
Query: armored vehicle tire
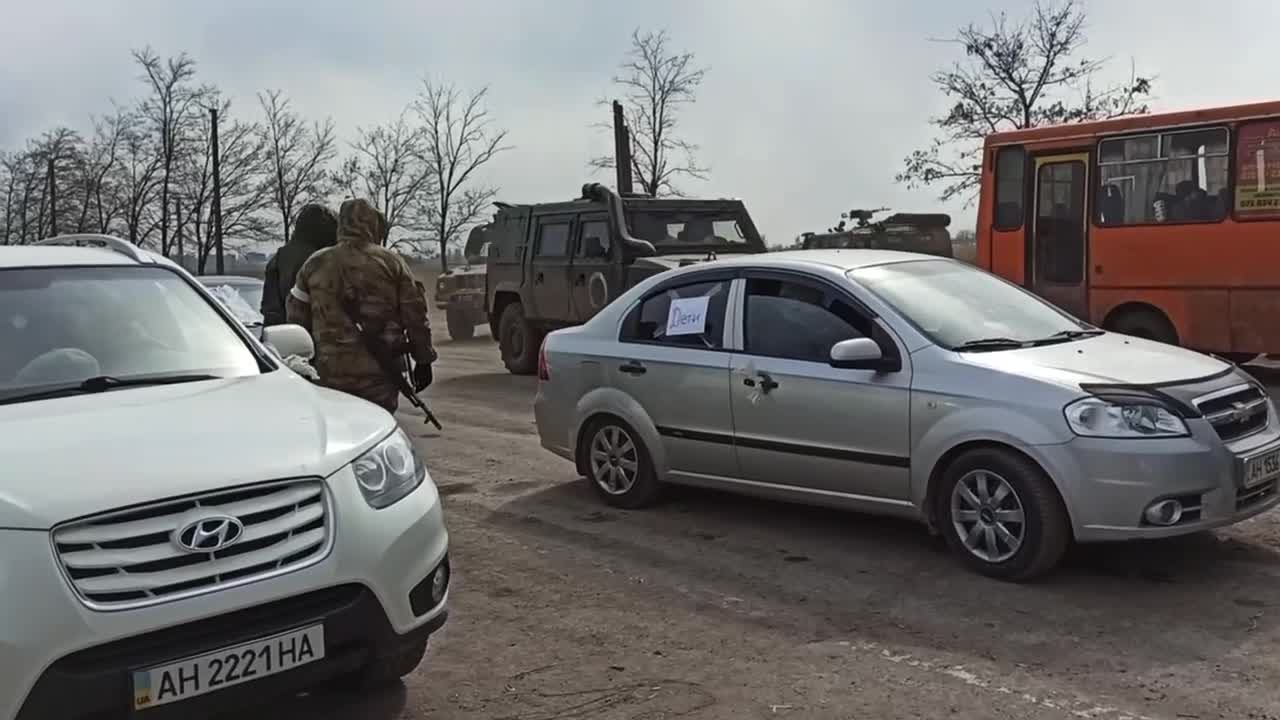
[
  {"x": 461, "y": 324},
  {"x": 518, "y": 341}
]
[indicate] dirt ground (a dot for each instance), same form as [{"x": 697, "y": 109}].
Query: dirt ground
[{"x": 712, "y": 606}]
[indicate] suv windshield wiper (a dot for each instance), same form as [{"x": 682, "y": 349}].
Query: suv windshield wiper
[
  {"x": 991, "y": 343},
  {"x": 103, "y": 383}
]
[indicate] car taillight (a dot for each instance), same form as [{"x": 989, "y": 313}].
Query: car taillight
[{"x": 544, "y": 369}]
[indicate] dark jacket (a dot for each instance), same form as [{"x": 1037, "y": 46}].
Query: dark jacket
[{"x": 315, "y": 229}]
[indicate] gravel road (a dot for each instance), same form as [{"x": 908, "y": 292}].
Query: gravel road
[{"x": 711, "y": 606}]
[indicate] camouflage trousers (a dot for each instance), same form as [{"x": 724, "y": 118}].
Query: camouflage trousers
[{"x": 375, "y": 389}]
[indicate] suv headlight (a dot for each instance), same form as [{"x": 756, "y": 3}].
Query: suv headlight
[
  {"x": 1123, "y": 418},
  {"x": 389, "y": 471}
]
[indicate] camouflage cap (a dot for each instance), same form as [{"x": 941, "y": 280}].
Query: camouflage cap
[{"x": 359, "y": 222}]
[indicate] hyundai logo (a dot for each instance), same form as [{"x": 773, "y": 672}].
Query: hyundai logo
[{"x": 208, "y": 534}]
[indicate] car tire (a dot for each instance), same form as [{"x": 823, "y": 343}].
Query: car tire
[
  {"x": 387, "y": 670},
  {"x": 518, "y": 341},
  {"x": 982, "y": 526},
  {"x": 461, "y": 325},
  {"x": 1145, "y": 323},
  {"x": 618, "y": 464}
]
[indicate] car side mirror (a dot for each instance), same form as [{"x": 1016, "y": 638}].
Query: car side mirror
[
  {"x": 289, "y": 340},
  {"x": 857, "y": 354}
]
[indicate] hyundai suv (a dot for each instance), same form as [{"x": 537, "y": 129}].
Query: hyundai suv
[{"x": 186, "y": 525}]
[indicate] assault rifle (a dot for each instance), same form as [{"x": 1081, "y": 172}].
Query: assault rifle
[{"x": 395, "y": 368}]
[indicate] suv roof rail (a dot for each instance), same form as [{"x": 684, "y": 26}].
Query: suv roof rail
[{"x": 110, "y": 242}]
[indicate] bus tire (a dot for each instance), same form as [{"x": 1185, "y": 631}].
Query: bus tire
[{"x": 1146, "y": 323}]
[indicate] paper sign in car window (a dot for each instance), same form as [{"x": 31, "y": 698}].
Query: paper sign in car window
[{"x": 687, "y": 316}]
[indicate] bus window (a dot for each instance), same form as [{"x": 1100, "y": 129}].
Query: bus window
[
  {"x": 1258, "y": 171},
  {"x": 1011, "y": 163},
  {"x": 1170, "y": 177}
]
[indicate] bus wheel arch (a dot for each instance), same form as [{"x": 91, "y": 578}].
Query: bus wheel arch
[{"x": 1142, "y": 320}]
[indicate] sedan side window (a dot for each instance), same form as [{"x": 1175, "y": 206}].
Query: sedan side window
[
  {"x": 686, "y": 316},
  {"x": 798, "y": 321}
]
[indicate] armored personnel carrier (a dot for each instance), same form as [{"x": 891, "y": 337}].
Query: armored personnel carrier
[
  {"x": 552, "y": 265},
  {"x": 911, "y": 232}
]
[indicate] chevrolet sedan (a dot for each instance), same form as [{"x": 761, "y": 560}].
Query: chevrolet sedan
[{"x": 906, "y": 385}]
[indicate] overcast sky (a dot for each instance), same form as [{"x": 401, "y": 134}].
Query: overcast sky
[{"x": 808, "y": 106}]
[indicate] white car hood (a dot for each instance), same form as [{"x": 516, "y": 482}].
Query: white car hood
[
  {"x": 76, "y": 456},
  {"x": 1108, "y": 358}
]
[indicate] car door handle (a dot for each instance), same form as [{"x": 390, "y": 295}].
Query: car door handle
[
  {"x": 537, "y": 278},
  {"x": 580, "y": 280},
  {"x": 765, "y": 382},
  {"x": 633, "y": 368}
]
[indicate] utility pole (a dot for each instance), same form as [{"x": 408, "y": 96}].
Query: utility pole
[
  {"x": 177, "y": 219},
  {"x": 53, "y": 201},
  {"x": 621, "y": 149},
  {"x": 216, "y": 206}
]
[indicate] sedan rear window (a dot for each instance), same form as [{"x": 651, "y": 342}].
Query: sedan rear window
[{"x": 649, "y": 321}]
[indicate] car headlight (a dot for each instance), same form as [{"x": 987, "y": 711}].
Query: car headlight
[
  {"x": 390, "y": 471},
  {"x": 1123, "y": 418}
]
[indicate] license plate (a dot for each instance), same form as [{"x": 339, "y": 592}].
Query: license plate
[
  {"x": 1262, "y": 468},
  {"x": 242, "y": 663}
]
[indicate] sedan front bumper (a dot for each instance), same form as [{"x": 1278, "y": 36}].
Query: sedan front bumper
[{"x": 1108, "y": 484}]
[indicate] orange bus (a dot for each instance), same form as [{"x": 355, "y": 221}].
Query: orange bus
[{"x": 1164, "y": 226}]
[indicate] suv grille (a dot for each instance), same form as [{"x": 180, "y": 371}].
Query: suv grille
[
  {"x": 132, "y": 558},
  {"x": 1239, "y": 412}
]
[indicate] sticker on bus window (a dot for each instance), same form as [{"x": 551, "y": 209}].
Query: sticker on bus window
[{"x": 1258, "y": 171}]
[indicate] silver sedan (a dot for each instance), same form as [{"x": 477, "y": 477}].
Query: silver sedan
[{"x": 912, "y": 386}]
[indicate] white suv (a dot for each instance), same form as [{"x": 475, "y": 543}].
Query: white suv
[{"x": 186, "y": 525}]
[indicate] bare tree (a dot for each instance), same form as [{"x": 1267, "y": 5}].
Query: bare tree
[
  {"x": 657, "y": 83},
  {"x": 246, "y": 192},
  {"x": 458, "y": 139},
  {"x": 100, "y": 206},
  {"x": 137, "y": 180},
  {"x": 174, "y": 105},
  {"x": 389, "y": 168},
  {"x": 1016, "y": 74},
  {"x": 298, "y": 155}
]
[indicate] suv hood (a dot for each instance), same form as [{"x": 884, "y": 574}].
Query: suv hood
[
  {"x": 1107, "y": 358},
  {"x": 76, "y": 456}
]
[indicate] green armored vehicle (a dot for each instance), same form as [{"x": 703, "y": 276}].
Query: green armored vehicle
[
  {"x": 460, "y": 291},
  {"x": 553, "y": 265},
  {"x": 910, "y": 232}
]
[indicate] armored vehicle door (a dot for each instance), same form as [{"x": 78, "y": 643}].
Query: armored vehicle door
[
  {"x": 594, "y": 273},
  {"x": 549, "y": 268}
]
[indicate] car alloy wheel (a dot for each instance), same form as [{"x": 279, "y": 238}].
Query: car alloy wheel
[
  {"x": 988, "y": 516},
  {"x": 614, "y": 460}
]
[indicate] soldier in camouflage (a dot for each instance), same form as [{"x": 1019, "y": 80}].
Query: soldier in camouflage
[{"x": 387, "y": 298}]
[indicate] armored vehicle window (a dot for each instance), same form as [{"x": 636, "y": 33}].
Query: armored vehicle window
[
  {"x": 595, "y": 242},
  {"x": 688, "y": 228},
  {"x": 553, "y": 240}
]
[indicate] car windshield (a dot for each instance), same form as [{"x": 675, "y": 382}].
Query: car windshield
[
  {"x": 699, "y": 228},
  {"x": 61, "y": 326},
  {"x": 954, "y": 304}
]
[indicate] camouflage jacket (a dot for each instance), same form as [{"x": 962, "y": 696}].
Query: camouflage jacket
[{"x": 386, "y": 297}]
